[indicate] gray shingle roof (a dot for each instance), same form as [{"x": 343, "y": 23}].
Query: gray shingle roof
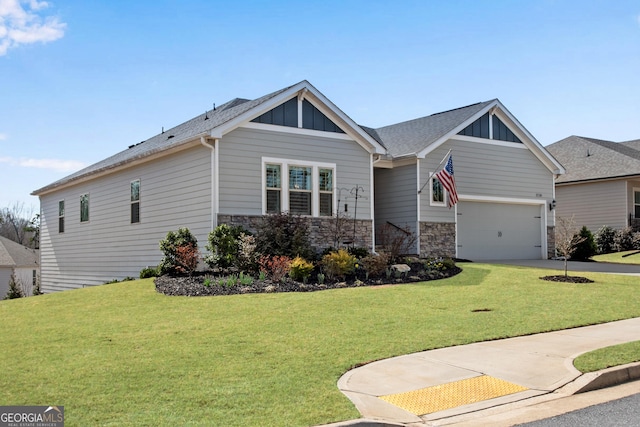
[
  {"x": 171, "y": 138},
  {"x": 589, "y": 158},
  {"x": 413, "y": 136},
  {"x": 13, "y": 254}
]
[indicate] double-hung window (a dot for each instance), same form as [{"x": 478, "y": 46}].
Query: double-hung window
[
  {"x": 61, "y": 216},
  {"x": 636, "y": 203},
  {"x": 135, "y": 201},
  {"x": 84, "y": 208},
  {"x": 300, "y": 190},
  {"x": 299, "y": 187},
  {"x": 273, "y": 179}
]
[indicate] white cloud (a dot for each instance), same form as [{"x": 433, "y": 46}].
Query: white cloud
[
  {"x": 21, "y": 24},
  {"x": 51, "y": 164}
]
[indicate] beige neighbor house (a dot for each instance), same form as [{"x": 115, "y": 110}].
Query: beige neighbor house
[
  {"x": 20, "y": 261},
  {"x": 294, "y": 150},
  {"x": 602, "y": 183}
]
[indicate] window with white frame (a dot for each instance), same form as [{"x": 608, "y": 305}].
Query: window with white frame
[
  {"x": 437, "y": 192},
  {"x": 636, "y": 203},
  {"x": 299, "y": 187},
  {"x": 84, "y": 208},
  {"x": 135, "y": 201}
]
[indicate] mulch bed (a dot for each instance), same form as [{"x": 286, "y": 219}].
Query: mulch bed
[
  {"x": 567, "y": 279},
  {"x": 194, "y": 285}
]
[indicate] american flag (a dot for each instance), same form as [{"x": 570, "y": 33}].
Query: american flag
[{"x": 449, "y": 182}]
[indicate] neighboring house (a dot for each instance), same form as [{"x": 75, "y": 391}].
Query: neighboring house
[
  {"x": 294, "y": 150},
  {"x": 602, "y": 183},
  {"x": 20, "y": 261}
]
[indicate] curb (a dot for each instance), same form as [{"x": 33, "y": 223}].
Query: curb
[
  {"x": 609, "y": 377},
  {"x": 584, "y": 383}
]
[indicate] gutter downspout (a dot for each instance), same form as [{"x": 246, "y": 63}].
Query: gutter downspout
[{"x": 214, "y": 178}]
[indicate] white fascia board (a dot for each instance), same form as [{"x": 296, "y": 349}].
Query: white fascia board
[
  {"x": 352, "y": 128},
  {"x": 532, "y": 143},
  {"x": 457, "y": 129},
  {"x": 247, "y": 116},
  {"x": 494, "y": 199}
]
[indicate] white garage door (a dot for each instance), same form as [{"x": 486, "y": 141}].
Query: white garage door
[{"x": 499, "y": 231}]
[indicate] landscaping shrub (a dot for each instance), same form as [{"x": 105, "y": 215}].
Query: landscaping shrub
[
  {"x": 248, "y": 255},
  {"x": 275, "y": 267},
  {"x": 338, "y": 264},
  {"x": 635, "y": 237},
  {"x": 375, "y": 265},
  {"x": 147, "y": 272},
  {"x": 396, "y": 241},
  {"x": 623, "y": 240},
  {"x": 358, "y": 251},
  {"x": 187, "y": 257},
  {"x": 284, "y": 235},
  {"x": 587, "y": 246},
  {"x": 224, "y": 244},
  {"x": 300, "y": 269},
  {"x": 605, "y": 239},
  {"x": 170, "y": 264},
  {"x": 15, "y": 288}
]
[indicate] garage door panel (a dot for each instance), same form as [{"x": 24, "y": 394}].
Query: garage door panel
[{"x": 499, "y": 231}]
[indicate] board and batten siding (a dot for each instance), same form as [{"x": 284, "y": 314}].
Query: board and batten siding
[
  {"x": 396, "y": 198},
  {"x": 594, "y": 204},
  {"x": 490, "y": 171},
  {"x": 240, "y": 166},
  {"x": 175, "y": 191}
]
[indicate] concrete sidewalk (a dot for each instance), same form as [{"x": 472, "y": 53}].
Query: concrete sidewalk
[{"x": 431, "y": 387}]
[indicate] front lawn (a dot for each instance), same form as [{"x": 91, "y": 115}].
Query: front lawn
[
  {"x": 627, "y": 257},
  {"x": 608, "y": 357},
  {"x": 123, "y": 354}
]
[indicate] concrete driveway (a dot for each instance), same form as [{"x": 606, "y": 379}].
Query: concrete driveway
[{"x": 595, "y": 267}]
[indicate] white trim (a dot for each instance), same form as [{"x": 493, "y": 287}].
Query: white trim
[
  {"x": 284, "y": 183},
  {"x": 296, "y": 131},
  {"x": 215, "y": 185},
  {"x": 372, "y": 204},
  {"x": 443, "y": 203},
  {"x": 634, "y": 190},
  {"x": 490, "y": 141},
  {"x": 493, "y": 199}
]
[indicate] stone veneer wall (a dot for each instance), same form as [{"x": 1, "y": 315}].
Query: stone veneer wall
[
  {"x": 320, "y": 233},
  {"x": 437, "y": 239},
  {"x": 551, "y": 242}
]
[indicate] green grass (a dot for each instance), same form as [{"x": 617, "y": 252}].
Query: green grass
[
  {"x": 627, "y": 257},
  {"x": 124, "y": 355},
  {"x": 607, "y": 357}
]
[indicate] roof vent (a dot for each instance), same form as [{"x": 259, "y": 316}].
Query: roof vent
[
  {"x": 170, "y": 136},
  {"x": 206, "y": 115}
]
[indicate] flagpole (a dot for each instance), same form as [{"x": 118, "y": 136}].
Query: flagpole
[{"x": 436, "y": 171}]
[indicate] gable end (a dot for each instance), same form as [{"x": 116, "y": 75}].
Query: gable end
[
  {"x": 287, "y": 115},
  {"x": 490, "y": 127}
]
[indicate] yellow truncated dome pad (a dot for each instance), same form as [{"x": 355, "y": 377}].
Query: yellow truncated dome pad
[{"x": 451, "y": 395}]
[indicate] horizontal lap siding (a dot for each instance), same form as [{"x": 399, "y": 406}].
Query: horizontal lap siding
[
  {"x": 240, "y": 164},
  {"x": 488, "y": 170},
  {"x": 594, "y": 204},
  {"x": 396, "y": 197},
  {"x": 175, "y": 191}
]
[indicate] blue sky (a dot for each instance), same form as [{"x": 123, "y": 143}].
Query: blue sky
[{"x": 81, "y": 80}]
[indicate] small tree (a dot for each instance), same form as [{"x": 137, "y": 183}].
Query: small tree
[
  {"x": 605, "y": 239},
  {"x": 567, "y": 238},
  {"x": 171, "y": 264},
  {"x": 587, "y": 248},
  {"x": 15, "y": 288}
]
